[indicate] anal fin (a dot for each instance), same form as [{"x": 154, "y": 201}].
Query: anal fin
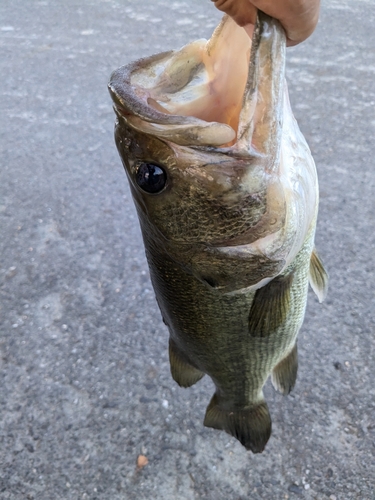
[
  {"x": 284, "y": 374},
  {"x": 251, "y": 426},
  {"x": 270, "y": 306},
  {"x": 318, "y": 276},
  {"x": 182, "y": 370}
]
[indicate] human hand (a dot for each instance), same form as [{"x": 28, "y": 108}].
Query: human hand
[{"x": 298, "y": 17}]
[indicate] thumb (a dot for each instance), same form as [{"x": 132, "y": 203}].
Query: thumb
[{"x": 242, "y": 11}]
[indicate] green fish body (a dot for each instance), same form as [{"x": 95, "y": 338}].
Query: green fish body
[{"x": 227, "y": 198}]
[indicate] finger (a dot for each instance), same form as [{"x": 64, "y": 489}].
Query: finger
[{"x": 242, "y": 11}]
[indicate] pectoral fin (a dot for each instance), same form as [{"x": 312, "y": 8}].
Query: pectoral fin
[
  {"x": 182, "y": 370},
  {"x": 318, "y": 276},
  {"x": 284, "y": 374},
  {"x": 251, "y": 426},
  {"x": 270, "y": 306}
]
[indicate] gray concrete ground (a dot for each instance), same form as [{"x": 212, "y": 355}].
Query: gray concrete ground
[{"x": 85, "y": 383}]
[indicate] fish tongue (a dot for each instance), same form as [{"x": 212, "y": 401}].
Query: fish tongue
[{"x": 260, "y": 121}]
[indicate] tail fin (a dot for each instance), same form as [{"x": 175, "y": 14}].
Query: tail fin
[
  {"x": 251, "y": 426},
  {"x": 182, "y": 371}
]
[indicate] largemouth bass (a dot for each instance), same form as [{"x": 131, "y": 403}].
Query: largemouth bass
[{"x": 227, "y": 197}]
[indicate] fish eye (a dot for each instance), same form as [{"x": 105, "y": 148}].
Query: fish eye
[{"x": 151, "y": 178}]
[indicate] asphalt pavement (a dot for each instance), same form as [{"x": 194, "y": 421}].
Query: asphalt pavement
[{"x": 88, "y": 409}]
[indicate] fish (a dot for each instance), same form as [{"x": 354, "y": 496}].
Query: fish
[{"x": 226, "y": 192}]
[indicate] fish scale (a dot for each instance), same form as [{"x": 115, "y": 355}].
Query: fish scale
[
  {"x": 204, "y": 330},
  {"x": 228, "y": 212}
]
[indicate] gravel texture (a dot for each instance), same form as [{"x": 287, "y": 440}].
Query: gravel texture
[{"x": 87, "y": 404}]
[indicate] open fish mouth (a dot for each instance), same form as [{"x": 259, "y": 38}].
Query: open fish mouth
[{"x": 201, "y": 95}]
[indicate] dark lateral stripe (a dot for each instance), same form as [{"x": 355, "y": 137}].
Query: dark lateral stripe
[{"x": 270, "y": 306}]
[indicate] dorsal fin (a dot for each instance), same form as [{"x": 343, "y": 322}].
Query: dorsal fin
[{"x": 318, "y": 276}]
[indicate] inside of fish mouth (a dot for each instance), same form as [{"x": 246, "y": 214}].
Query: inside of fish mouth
[{"x": 206, "y": 79}]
